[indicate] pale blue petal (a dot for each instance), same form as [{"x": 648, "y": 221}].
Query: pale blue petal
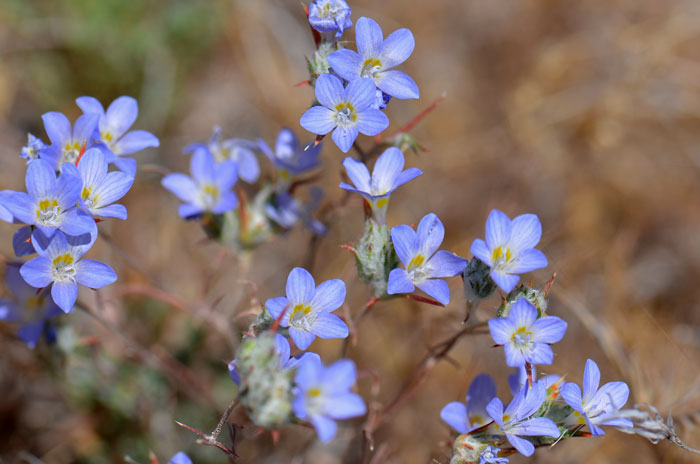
[
  {"x": 361, "y": 93},
  {"x": 302, "y": 338},
  {"x": 112, "y": 211},
  {"x": 344, "y": 137},
  {"x": 325, "y": 427},
  {"x": 318, "y": 120},
  {"x": 405, "y": 242},
  {"x": 397, "y": 84},
  {"x": 481, "y": 251},
  {"x": 329, "y": 90},
  {"x": 408, "y": 174},
  {"x": 495, "y": 410},
  {"x": 282, "y": 347},
  {"x": 120, "y": 115},
  {"x": 329, "y": 326},
  {"x": 113, "y": 187},
  {"x": 134, "y": 141},
  {"x": 386, "y": 170},
  {"x": 455, "y": 415},
  {"x": 505, "y": 282},
  {"x": 498, "y": 228},
  {"x": 537, "y": 427},
  {"x": 76, "y": 222},
  {"x": 21, "y": 242},
  {"x": 445, "y": 264},
  {"x": 226, "y": 174},
  {"x": 615, "y": 393},
  {"x": 92, "y": 167},
  {"x": 540, "y": 353},
  {"x": 358, "y": 173},
  {"x": 526, "y": 232},
  {"x": 345, "y": 406},
  {"x": 430, "y": 234},
  {"x": 523, "y": 313},
  {"x": 189, "y": 210},
  {"x": 90, "y": 105},
  {"x": 571, "y": 393},
  {"x": 300, "y": 286},
  {"x": 64, "y": 295},
  {"x": 523, "y": 446},
  {"x": 275, "y": 306},
  {"x": 329, "y": 296},
  {"x": 181, "y": 185},
  {"x": 203, "y": 167},
  {"x": 37, "y": 272},
  {"x": 371, "y": 121},
  {"x": 68, "y": 187},
  {"x": 180, "y": 458},
  {"x": 502, "y": 329},
  {"x": 85, "y": 127},
  {"x": 339, "y": 377},
  {"x": 126, "y": 165},
  {"x": 369, "y": 38},
  {"x": 94, "y": 274},
  {"x": 548, "y": 329},
  {"x": 591, "y": 380},
  {"x": 346, "y": 63},
  {"x": 248, "y": 167},
  {"x": 399, "y": 282},
  {"x": 57, "y": 127},
  {"x": 527, "y": 261},
  {"x": 514, "y": 357},
  {"x": 287, "y": 143},
  {"x": 227, "y": 202},
  {"x": 299, "y": 403},
  {"x": 40, "y": 179},
  {"x": 397, "y": 47},
  {"x": 437, "y": 289},
  {"x": 481, "y": 391},
  {"x": 309, "y": 374},
  {"x": 31, "y": 333}
]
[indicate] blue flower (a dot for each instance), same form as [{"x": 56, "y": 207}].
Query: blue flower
[
  {"x": 51, "y": 202},
  {"x": 490, "y": 456},
  {"x": 209, "y": 188},
  {"x": 375, "y": 57},
  {"x": 290, "y": 158},
  {"x": 33, "y": 310},
  {"x": 100, "y": 188},
  {"x": 472, "y": 415},
  {"x": 286, "y": 210},
  {"x": 347, "y": 110},
  {"x": 113, "y": 126},
  {"x": 22, "y": 241},
  {"x": 180, "y": 458},
  {"x": 525, "y": 337},
  {"x": 387, "y": 176},
  {"x": 239, "y": 150},
  {"x": 32, "y": 150},
  {"x": 515, "y": 421},
  {"x": 324, "y": 395},
  {"x": 509, "y": 247},
  {"x": 593, "y": 407},
  {"x": 307, "y": 308},
  {"x": 330, "y": 16},
  {"x": 67, "y": 141},
  {"x": 59, "y": 264},
  {"x": 424, "y": 267}
]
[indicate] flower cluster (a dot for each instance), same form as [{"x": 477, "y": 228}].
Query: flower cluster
[{"x": 69, "y": 189}]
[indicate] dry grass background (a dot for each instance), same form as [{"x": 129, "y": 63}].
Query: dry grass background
[{"x": 583, "y": 112}]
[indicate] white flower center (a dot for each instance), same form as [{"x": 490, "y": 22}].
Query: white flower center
[
  {"x": 63, "y": 268},
  {"x": 370, "y": 68},
  {"x": 302, "y": 317},
  {"x": 48, "y": 213},
  {"x": 345, "y": 115}
]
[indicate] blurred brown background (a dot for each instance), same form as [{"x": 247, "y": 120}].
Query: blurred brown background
[{"x": 583, "y": 112}]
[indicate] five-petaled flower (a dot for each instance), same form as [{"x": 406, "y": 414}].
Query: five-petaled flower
[
  {"x": 239, "y": 150},
  {"x": 67, "y": 142},
  {"x": 387, "y": 176},
  {"x": 59, "y": 264},
  {"x": 424, "y": 267},
  {"x": 209, "y": 188},
  {"x": 525, "y": 337},
  {"x": 323, "y": 395},
  {"x": 595, "y": 405},
  {"x": 375, "y": 57},
  {"x": 516, "y": 420},
  {"x": 509, "y": 247},
  {"x": 306, "y": 309},
  {"x": 112, "y": 130},
  {"x": 347, "y": 110},
  {"x": 472, "y": 415},
  {"x": 330, "y": 16}
]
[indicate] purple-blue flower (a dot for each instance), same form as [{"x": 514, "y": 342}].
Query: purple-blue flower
[
  {"x": 424, "y": 268},
  {"x": 509, "y": 247},
  {"x": 180, "y": 458},
  {"x": 387, "y": 176},
  {"x": 100, "y": 188},
  {"x": 490, "y": 456},
  {"x": 593, "y": 407},
  {"x": 472, "y": 415},
  {"x": 113, "y": 126},
  {"x": 59, "y": 264},
  {"x": 22, "y": 241},
  {"x": 5, "y": 214},
  {"x": 209, "y": 188},
  {"x": 375, "y": 57},
  {"x": 239, "y": 150},
  {"x": 31, "y": 309},
  {"x": 323, "y": 395},
  {"x": 307, "y": 308},
  {"x": 67, "y": 141},
  {"x": 526, "y": 338},
  {"x": 51, "y": 202},
  {"x": 32, "y": 150},
  {"x": 330, "y": 16},
  {"x": 290, "y": 158},
  {"x": 286, "y": 211},
  {"x": 345, "y": 111},
  {"x": 515, "y": 421}
]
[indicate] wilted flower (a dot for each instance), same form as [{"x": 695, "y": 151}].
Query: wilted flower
[{"x": 330, "y": 16}]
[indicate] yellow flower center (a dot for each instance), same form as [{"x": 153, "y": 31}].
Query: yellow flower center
[
  {"x": 345, "y": 114},
  {"x": 370, "y": 67},
  {"x": 48, "y": 212},
  {"x": 417, "y": 261}
]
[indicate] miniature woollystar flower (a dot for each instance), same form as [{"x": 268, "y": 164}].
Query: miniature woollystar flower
[
  {"x": 595, "y": 404},
  {"x": 387, "y": 176},
  {"x": 509, "y": 247},
  {"x": 516, "y": 420},
  {"x": 307, "y": 308},
  {"x": 238, "y": 150},
  {"x": 101, "y": 188},
  {"x": 67, "y": 141},
  {"x": 424, "y": 267},
  {"x": 525, "y": 337},
  {"x": 330, "y": 16},
  {"x": 113, "y": 126},
  {"x": 32, "y": 149},
  {"x": 324, "y": 395},
  {"x": 375, "y": 57},
  {"x": 290, "y": 158},
  {"x": 209, "y": 188},
  {"x": 60, "y": 265},
  {"x": 347, "y": 110},
  {"x": 472, "y": 415}
]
